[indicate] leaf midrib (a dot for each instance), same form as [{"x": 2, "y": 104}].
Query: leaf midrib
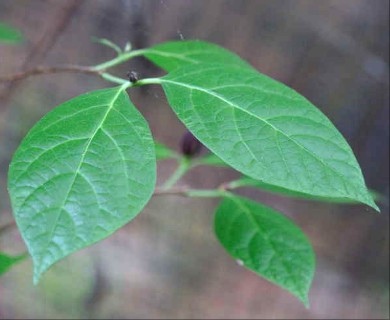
[{"x": 110, "y": 106}]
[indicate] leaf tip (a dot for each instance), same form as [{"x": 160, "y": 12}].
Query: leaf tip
[
  {"x": 305, "y": 300},
  {"x": 373, "y": 205},
  {"x": 36, "y": 278},
  {"x": 39, "y": 270},
  {"x": 377, "y": 209},
  {"x": 369, "y": 199}
]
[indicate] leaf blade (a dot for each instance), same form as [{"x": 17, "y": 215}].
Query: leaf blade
[
  {"x": 83, "y": 171},
  {"x": 265, "y": 130},
  {"x": 267, "y": 243},
  {"x": 176, "y": 54}
]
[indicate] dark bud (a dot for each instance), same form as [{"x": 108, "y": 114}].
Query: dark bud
[
  {"x": 190, "y": 146},
  {"x": 133, "y": 76}
]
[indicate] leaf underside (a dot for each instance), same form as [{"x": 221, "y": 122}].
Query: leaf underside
[
  {"x": 267, "y": 243},
  {"x": 83, "y": 171},
  {"x": 265, "y": 130}
]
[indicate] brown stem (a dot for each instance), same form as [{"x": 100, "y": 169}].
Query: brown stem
[{"x": 48, "y": 70}]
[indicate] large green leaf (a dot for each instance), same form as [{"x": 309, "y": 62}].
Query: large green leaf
[
  {"x": 9, "y": 34},
  {"x": 172, "y": 55},
  {"x": 265, "y": 130},
  {"x": 84, "y": 170},
  {"x": 7, "y": 261},
  {"x": 267, "y": 243}
]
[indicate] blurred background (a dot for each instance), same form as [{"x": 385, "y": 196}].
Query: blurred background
[{"x": 167, "y": 262}]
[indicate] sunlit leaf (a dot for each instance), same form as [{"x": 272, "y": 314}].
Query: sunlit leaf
[
  {"x": 82, "y": 172},
  {"x": 265, "y": 130}
]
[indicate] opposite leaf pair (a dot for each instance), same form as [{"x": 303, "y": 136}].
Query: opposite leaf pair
[{"x": 88, "y": 167}]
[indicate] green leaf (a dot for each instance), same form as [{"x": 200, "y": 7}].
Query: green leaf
[
  {"x": 83, "y": 171},
  {"x": 265, "y": 130},
  {"x": 9, "y": 34},
  {"x": 249, "y": 182},
  {"x": 6, "y": 261},
  {"x": 172, "y": 55},
  {"x": 266, "y": 242},
  {"x": 163, "y": 152}
]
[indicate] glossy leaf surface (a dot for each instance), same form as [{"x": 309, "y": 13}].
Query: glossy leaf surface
[
  {"x": 265, "y": 130},
  {"x": 267, "y": 243},
  {"x": 83, "y": 171},
  {"x": 176, "y": 54}
]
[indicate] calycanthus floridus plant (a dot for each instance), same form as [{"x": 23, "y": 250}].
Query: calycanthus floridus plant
[{"x": 89, "y": 166}]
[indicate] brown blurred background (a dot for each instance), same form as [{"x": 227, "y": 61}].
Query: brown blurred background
[{"x": 167, "y": 263}]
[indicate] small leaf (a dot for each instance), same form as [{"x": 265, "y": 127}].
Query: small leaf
[
  {"x": 83, "y": 171},
  {"x": 267, "y": 243},
  {"x": 172, "y": 55},
  {"x": 163, "y": 152},
  {"x": 265, "y": 130},
  {"x": 6, "y": 261},
  {"x": 9, "y": 34}
]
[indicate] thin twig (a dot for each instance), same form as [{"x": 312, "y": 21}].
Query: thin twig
[
  {"x": 99, "y": 70},
  {"x": 189, "y": 192},
  {"x": 48, "y": 70},
  {"x": 178, "y": 191},
  {"x": 184, "y": 166}
]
